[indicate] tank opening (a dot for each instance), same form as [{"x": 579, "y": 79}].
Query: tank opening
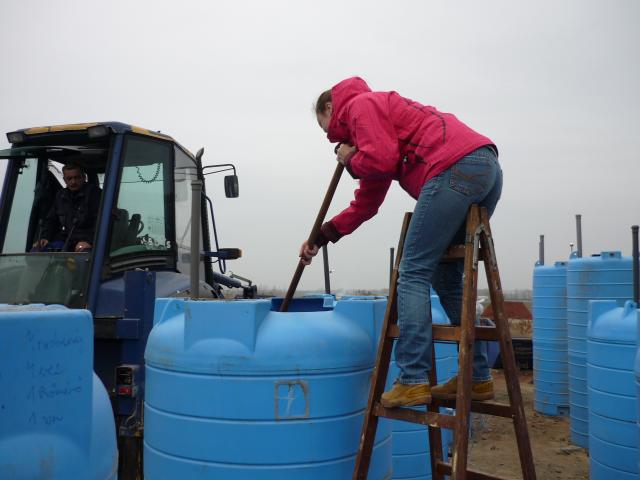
[{"x": 314, "y": 304}]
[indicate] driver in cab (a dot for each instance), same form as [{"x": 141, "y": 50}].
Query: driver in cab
[{"x": 71, "y": 222}]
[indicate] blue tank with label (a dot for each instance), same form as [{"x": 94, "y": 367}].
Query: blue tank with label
[
  {"x": 56, "y": 420},
  {"x": 411, "y": 450},
  {"x": 605, "y": 276},
  {"x": 550, "y": 367},
  {"x": 238, "y": 390},
  {"x": 611, "y": 352}
]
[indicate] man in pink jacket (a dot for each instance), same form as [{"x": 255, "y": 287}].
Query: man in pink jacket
[{"x": 446, "y": 167}]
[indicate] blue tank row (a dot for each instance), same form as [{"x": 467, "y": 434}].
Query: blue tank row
[
  {"x": 606, "y": 276},
  {"x": 601, "y": 347},
  {"x": 613, "y": 414},
  {"x": 550, "y": 369},
  {"x": 56, "y": 420}
]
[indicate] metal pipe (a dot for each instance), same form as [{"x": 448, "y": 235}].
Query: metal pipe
[
  {"x": 325, "y": 260},
  {"x": 636, "y": 264},
  {"x": 579, "y": 234},
  {"x": 196, "y": 198},
  {"x": 541, "y": 250}
]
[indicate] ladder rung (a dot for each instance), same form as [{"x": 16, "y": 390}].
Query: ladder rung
[
  {"x": 452, "y": 334},
  {"x": 433, "y": 419},
  {"x": 457, "y": 252},
  {"x": 448, "y": 333},
  {"x": 444, "y": 468},
  {"x": 486, "y": 407}
]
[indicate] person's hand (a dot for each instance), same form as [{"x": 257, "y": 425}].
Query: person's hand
[
  {"x": 345, "y": 152},
  {"x": 40, "y": 244},
  {"x": 82, "y": 246},
  {"x": 307, "y": 254}
]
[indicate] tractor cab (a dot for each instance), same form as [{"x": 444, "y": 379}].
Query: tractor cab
[
  {"x": 140, "y": 246},
  {"x": 144, "y": 222}
]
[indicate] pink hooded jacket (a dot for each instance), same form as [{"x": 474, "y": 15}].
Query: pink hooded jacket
[{"x": 397, "y": 139}]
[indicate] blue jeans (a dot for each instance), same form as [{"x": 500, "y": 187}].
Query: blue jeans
[{"x": 439, "y": 220}]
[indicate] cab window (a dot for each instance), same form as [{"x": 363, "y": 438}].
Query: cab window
[
  {"x": 185, "y": 172},
  {"x": 144, "y": 209}
]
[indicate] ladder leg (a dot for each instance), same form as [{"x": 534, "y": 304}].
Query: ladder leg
[
  {"x": 465, "y": 353},
  {"x": 380, "y": 369},
  {"x": 506, "y": 351},
  {"x": 435, "y": 433}
]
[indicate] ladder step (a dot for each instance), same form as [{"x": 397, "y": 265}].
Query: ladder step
[
  {"x": 486, "y": 407},
  {"x": 452, "y": 334},
  {"x": 416, "y": 416},
  {"x": 457, "y": 252},
  {"x": 444, "y": 468},
  {"x": 449, "y": 333}
]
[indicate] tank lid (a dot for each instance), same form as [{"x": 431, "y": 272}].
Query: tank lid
[
  {"x": 608, "y": 258},
  {"x": 608, "y": 321}
]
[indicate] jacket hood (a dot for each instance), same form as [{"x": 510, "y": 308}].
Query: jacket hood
[{"x": 341, "y": 94}]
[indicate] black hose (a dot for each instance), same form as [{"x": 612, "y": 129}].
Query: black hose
[{"x": 226, "y": 281}]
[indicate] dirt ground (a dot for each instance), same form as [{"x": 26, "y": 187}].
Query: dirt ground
[{"x": 493, "y": 446}]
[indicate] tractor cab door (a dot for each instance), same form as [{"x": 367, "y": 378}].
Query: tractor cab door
[
  {"x": 151, "y": 221},
  {"x": 142, "y": 215}
]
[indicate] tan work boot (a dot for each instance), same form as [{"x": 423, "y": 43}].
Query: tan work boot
[
  {"x": 406, "y": 395},
  {"x": 479, "y": 390}
]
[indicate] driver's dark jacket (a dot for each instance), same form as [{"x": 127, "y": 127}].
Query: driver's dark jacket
[{"x": 73, "y": 216}]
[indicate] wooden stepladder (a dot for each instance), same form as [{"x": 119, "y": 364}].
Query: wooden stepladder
[{"x": 478, "y": 247}]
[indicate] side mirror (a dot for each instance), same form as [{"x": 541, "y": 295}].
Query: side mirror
[{"x": 231, "y": 188}]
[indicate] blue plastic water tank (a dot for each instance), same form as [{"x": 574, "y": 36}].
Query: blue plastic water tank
[
  {"x": 550, "y": 368},
  {"x": 411, "y": 449},
  {"x": 236, "y": 390},
  {"x": 636, "y": 371},
  {"x": 611, "y": 352},
  {"x": 606, "y": 276},
  {"x": 56, "y": 420}
]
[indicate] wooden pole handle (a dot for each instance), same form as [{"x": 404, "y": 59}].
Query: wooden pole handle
[{"x": 313, "y": 235}]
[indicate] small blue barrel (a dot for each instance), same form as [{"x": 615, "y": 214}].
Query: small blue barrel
[
  {"x": 550, "y": 368},
  {"x": 239, "y": 390},
  {"x": 56, "y": 420},
  {"x": 606, "y": 276},
  {"x": 411, "y": 450},
  {"x": 611, "y": 352}
]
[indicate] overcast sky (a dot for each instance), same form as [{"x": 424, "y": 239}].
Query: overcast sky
[{"x": 555, "y": 84}]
